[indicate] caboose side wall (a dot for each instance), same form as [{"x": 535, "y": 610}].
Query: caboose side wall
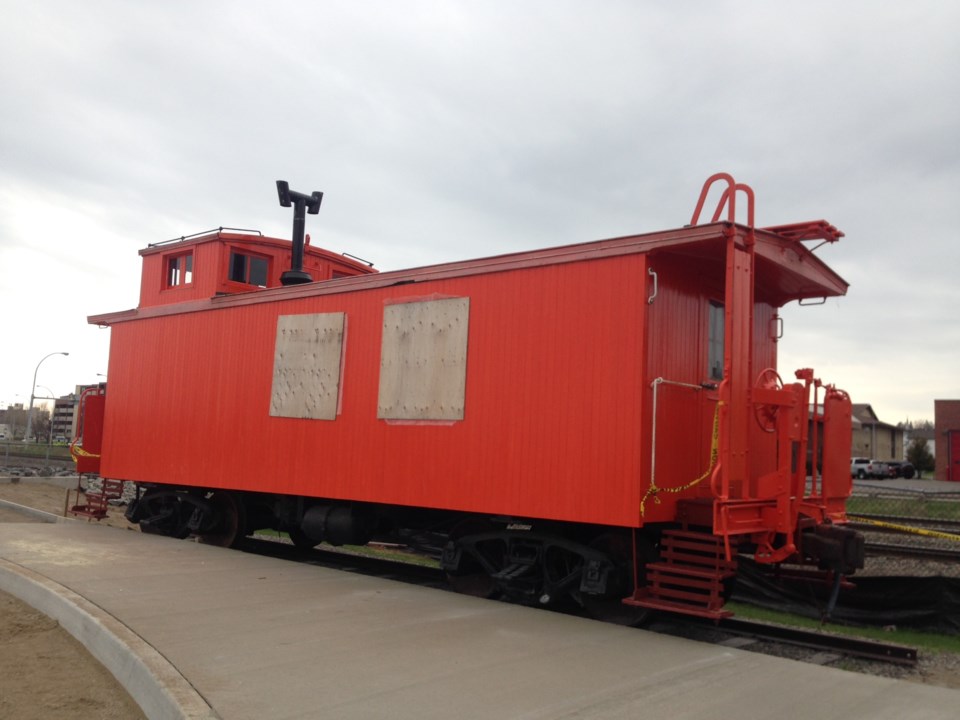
[{"x": 554, "y": 407}]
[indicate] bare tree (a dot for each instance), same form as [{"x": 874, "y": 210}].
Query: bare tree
[
  {"x": 41, "y": 424},
  {"x": 916, "y": 424}
]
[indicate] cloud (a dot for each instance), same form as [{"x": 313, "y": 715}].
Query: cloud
[{"x": 442, "y": 131}]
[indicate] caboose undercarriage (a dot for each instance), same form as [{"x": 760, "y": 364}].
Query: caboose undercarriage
[
  {"x": 613, "y": 573},
  {"x": 523, "y": 560}
]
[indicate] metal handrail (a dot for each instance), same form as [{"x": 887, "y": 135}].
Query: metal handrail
[
  {"x": 655, "y": 384},
  {"x": 184, "y": 238}
]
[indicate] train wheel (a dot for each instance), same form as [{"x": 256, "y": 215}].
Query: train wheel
[
  {"x": 230, "y": 523},
  {"x": 301, "y": 540},
  {"x": 473, "y": 576},
  {"x": 162, "y": 513},
  {"x": 609, "y": 607}
]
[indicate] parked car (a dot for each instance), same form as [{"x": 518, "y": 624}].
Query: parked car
[
  {"x": 900, "y": 469},
  {"x": 867, "y": 468},
  {"x": 859, "y": 467}
]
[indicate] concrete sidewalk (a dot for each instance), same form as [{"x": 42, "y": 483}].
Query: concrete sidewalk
[{"x": 220, "y": 633}]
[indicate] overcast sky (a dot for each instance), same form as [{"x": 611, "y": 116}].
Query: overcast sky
[{"x": 451, "y": 130}]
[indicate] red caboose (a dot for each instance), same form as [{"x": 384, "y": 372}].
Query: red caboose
[{"x": 559, "y": 418}]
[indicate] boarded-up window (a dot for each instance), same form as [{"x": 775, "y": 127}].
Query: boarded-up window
[
  {"x": 423, "y": 360},
  {"x": 306, "y": 366}
]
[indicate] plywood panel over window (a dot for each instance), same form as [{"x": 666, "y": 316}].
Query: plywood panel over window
[
  {"x": 306, "y": 366},
  {"x": 423, "y": 360}
]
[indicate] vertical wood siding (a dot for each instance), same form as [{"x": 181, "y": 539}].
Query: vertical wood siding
[{"x": 553, "y": 409}]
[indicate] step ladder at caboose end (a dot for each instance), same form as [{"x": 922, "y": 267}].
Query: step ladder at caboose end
[
  {"x": 692, "y": 577},
  {"x": 93, "y": 504},
  {"x": 85, "y": 451}
]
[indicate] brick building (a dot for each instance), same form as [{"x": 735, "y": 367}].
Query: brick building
[{"x": 946, "y": 423}]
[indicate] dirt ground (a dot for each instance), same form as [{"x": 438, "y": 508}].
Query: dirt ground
[{"x": 44, "y": 672}]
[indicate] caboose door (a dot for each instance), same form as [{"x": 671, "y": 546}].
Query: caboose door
[{"x": 684, "y": 365}]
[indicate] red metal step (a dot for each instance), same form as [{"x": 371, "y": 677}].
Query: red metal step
[
  {"x": 97, "y": 503},
  {"x": 689, "y": 577}
]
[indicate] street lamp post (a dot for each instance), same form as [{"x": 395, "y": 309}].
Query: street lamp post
[{"x": 33, "y": 389}]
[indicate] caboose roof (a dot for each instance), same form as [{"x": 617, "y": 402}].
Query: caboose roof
[{"x": 785, "y": 269}]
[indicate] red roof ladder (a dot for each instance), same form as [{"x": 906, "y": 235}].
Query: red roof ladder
[{"x": 728, "y": 198}]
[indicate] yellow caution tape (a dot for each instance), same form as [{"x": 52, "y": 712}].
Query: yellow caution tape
[
  {"x": 905, "y": 528},
  {"x": 79, "y": 451},
  {"x": 653, "y": 490}
]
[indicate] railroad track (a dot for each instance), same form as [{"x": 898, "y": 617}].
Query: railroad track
[
  {"x": 823, "y": 646},
  {"x": 840, "y": 644},
  {"x": 815, "y": 646},
  {"x": 940, "y": 524},
  {"x": 913, "y": 551},
  {"x": 932, "y": 541},
  {"x": 433, "y": 577}
]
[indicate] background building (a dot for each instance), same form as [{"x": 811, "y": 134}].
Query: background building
[
  {"x": 946, "y": 424},
  {"x": 873, "y": 438},
  {"x": 66, "y": 414},
  {"x": 13, "y": 420}
]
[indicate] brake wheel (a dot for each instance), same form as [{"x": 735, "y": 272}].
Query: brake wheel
[{"x": 766, "y": 415}]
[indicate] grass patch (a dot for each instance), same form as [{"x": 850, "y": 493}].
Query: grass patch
[
  {"x": 34, "y": 451},
  {"x": 931, "y": 642},
  {"x": 915, "y": 507}
]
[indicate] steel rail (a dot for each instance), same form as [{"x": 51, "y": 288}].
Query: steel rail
[
  {"x": 850, "y": 646},
  {"x": 913, "y": 551}
]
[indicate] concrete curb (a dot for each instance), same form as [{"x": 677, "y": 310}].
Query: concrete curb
[{"x": 154, "y": 684}]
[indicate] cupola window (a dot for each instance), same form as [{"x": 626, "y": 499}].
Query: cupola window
[
  {"x": 249, "y": 269},
  {"x": 179, "y": 269}
]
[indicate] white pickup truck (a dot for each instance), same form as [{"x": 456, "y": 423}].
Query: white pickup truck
[{"x": 865, "y": 467}]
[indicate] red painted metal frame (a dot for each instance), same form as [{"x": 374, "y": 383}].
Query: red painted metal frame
[
  {"x": 86, "y": 447},
  {"x": 728, "y": 198}
]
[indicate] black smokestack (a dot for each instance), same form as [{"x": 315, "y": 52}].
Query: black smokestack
[{"x": 302, "y": 204}]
